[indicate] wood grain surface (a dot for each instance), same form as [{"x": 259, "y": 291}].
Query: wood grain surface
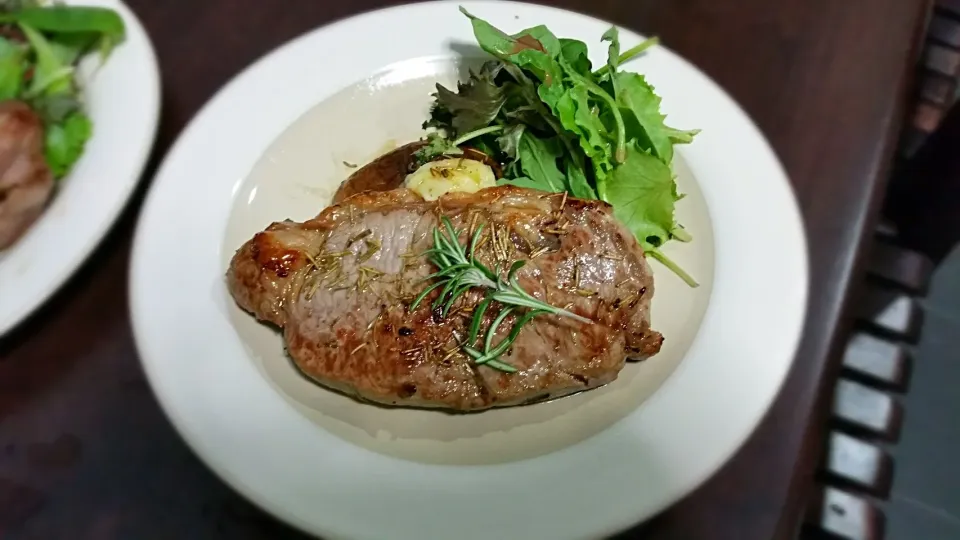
[{"x": 86, "y": 453}]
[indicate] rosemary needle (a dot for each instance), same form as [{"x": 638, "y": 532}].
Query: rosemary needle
[{"x": 458, "y": 270}]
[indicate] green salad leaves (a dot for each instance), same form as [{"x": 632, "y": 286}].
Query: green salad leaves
[
  {"x": 559, "y": 125},
  {"x": 40, "y": 47}
]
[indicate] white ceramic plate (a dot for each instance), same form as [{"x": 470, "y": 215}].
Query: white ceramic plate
[
  {"x": 271, "y": 145},
  {"x": 122, "y": 98}
]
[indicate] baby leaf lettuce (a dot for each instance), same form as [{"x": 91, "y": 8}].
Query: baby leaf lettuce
[
  {"x": 559, "y": 126},
  {"x": 12, "y": 62},
  {"x": 476, "y": 103},
  {"x": 575, "y": 53},
  {"x": 643, "y": 105},
  {"x": 577, "y": 180},
  {"x": 538, "y": 160},
  {"x": 509, "y": 141},
  {"x": 643, "y": 194},
  {"x": 64, "y": 142},
  {"x": 581, "y": 118}
]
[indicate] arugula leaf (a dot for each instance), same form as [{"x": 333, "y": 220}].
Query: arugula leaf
[
  {"x": 64, "y": 142},
  {"x": 500, "y": 44},
  {"x": 577, "y": 180},
  {"x": 613, "y": 54},
  {"x": 538, "y": 160},
  {"x": 536, "y": 50},
  {"x": 613, "y": 51},
  {"x": 575, "y": 53},
  {"x": 643, "y": 193},
  {"x": 95, "y": 23},
  {"x": 578, "y": 117},
  {"x": 11, "y": 69},
  {"x": 67, "y": 52},
  {"x": 475, "y": 103},
  {"x": 543, "y": 66},
  {"x": 55, "y": 108},
  {"x": 69, "y": 19},
  {"x": 638, "y": 97},
  {"x": 549, "y": 42},
  {"x": 74, "y": 27},
  {"x": 509, "y": 141},
  {"x": 533, "y": 49},
  {"x": 606, "y": 100},
  {"x": 50, "y": 75},
  {"x": 526, "y": 115}
]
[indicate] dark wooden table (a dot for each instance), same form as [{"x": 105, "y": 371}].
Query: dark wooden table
[{"x": 86, "y": 453}]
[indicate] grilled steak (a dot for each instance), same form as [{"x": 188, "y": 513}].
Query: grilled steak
[
  {"x": 340, "y": 287},
  {"x": 25, "y": 180}
]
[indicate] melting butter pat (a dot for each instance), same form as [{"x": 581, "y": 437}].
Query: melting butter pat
[{"x": 448, "y": 175}]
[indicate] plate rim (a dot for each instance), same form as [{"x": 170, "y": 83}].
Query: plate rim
[
  {"x": 20, "y": 311},
  {"x": 792, "y": 218}
]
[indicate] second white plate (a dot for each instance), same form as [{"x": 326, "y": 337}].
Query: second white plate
[{"x": 122, "y": 97}]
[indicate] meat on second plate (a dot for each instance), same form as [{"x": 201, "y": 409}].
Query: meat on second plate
[{"x": 26, "y": 182}]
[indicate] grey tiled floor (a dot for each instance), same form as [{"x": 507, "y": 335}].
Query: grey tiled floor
[{"x": 925, "y": 498}]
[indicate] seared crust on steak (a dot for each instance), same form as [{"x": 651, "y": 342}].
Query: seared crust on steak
[{"x": 340, "y": 285}]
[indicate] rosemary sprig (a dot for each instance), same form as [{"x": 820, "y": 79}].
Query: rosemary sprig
[{"x": 458, "y": 271}]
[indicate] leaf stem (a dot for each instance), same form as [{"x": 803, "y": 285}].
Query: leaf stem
[
  {"x": 629, "y": 54},
  {"x": 680, "y": 234},
  {"x": 674, "y": 267},
  {"x": 476, "y": 133}
]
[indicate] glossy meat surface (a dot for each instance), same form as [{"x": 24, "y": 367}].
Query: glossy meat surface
[{"x": 340, "y": 286}]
